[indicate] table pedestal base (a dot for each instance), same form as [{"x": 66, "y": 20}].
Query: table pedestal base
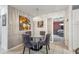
[{"x": 36, "y": 49}]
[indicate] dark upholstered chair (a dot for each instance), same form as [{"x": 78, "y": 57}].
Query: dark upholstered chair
[
  {"x": 27, "y": 40},
  {"x": 28, "y": 32},
  {"x": 30, "y": 44},
  {"x": 77, "y": 51},
  {"x": 46, "y": 42},
  {"x": 42, "y": 33}
]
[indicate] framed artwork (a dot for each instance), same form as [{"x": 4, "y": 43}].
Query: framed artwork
[
  {"x": 24, "y": 23},
  {"x": 4, "y": 20},
  {"x": 40, "y": 24}
]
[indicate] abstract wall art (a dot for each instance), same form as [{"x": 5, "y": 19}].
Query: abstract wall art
[{"x": 24, "y": 23}]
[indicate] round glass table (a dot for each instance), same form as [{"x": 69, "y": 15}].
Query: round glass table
[{"x": 38, "y": 46}]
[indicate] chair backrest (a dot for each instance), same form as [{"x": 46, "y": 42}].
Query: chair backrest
[
  {"x": 42, "y": 32},
  {"x": 28, "y": 33},
  {"x": 47, "y": 39},
  {"x": 26, "y": 38}
]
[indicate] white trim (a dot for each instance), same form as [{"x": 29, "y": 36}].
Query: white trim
[{"x": 16, "y": 47}]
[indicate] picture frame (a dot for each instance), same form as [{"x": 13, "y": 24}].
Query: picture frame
[
  {"x": 24, "y": 23},
  {"x": 4, "y": 20},
  {"x": 40, "y": 24}
]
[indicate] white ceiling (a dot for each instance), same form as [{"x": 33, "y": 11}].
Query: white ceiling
[{"x": 43, "y": 9}]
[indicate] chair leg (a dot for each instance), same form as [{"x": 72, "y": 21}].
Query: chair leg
[
  {"x": 46, "y": 49},
  {"x": 29, "y": 50},
  {"x": 24, "y": 50},
  {"x": 48, "y": 46}
]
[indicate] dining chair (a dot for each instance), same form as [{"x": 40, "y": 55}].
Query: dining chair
[
  {"x": 27, "y": 42},
  {"x": 45, "y": 42},
  {"x": 42, "y": 33},
  {"x": 28, "y": 32}
]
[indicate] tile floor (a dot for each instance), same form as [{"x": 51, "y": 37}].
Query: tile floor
[
  {"x": 1, "y": 50},
  {"x": 55, "y": 49}
]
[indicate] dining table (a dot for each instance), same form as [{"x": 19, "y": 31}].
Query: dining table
[{"x": 36, "y": 39}]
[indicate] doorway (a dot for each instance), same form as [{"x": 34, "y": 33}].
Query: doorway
[{"x": 58, "y": 33}]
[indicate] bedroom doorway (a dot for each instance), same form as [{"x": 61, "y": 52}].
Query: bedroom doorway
[{"x": 58, "y": 33}]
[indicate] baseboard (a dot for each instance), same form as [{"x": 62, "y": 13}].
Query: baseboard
[{"x": 15, "y": 47}]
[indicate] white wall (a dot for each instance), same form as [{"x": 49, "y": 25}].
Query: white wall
[
  {"x": 36, "y": 29},
  {"x": 4, "y": 29},
  {"x": 73, "y": 19},
  {"x": 75, "y": 24},
  {"x": 70, "y": 40}
]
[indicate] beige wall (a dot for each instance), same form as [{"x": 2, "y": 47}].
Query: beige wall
[{"x": 14, "y": 35}]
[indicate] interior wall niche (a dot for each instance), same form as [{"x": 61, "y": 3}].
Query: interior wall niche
[{"x": 4, "y": 20}]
